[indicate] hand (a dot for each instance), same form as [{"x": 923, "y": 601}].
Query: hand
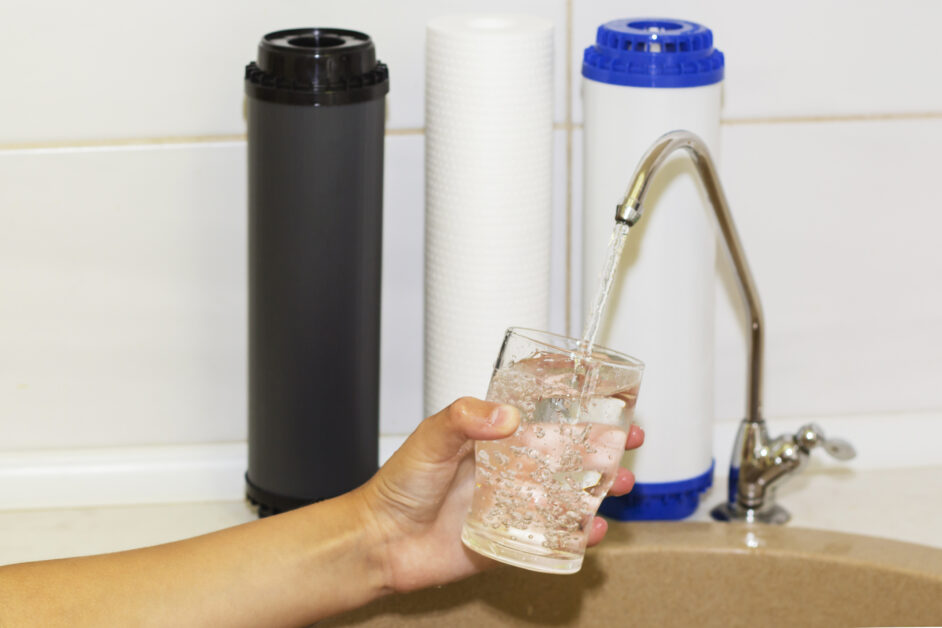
[
  {"x": 400, "y": 531},
  {"x": 420, "y": 497}
]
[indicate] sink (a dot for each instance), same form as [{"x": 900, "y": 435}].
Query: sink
[{"x": 685, "y": 574}]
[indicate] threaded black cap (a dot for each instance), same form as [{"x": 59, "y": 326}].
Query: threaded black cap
[{"x": 316, "y": 66}]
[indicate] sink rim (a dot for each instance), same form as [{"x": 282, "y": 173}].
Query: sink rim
[
  {"x": 771, "y": 540},
  {"x": 709, "y": 573}
]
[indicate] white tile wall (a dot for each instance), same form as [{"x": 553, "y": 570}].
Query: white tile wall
[
  {"x": 401, "y": 333},
  {"x": 841, "y": 226},
  {"x": 122, "y": 283},
  {"x": 842, "y": 238},
  {"x": 114, "y": 69},
  {"x": 122, "y": 279},
  {"x": 558, "y": 259}
]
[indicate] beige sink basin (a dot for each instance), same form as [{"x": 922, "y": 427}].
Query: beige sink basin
[{"x": 694, "y": 574}]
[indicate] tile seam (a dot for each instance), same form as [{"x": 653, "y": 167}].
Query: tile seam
[
  {"x": 568, "y": 126},
  {"x": 863, "y": 117},
  {"x": 157, "y": 141}
]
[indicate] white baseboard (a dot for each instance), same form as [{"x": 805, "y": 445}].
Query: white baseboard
[
  {"x": 214, "y": 471},
  {"x": 122, "y": 475}
]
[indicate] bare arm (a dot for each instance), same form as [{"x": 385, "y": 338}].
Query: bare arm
[
  {"x": 398, "y": 532},
  {"x": 286, "y": 570}
]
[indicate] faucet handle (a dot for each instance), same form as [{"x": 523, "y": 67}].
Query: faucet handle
[{"x": 811, "y": 435}]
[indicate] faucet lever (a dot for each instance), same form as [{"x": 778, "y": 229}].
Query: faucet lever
[
  {"x": 761, "y": 464},
  {"x": 811, "y": 436}
]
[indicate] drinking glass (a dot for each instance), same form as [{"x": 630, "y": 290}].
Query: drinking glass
[{"x": 536, "y": 491}]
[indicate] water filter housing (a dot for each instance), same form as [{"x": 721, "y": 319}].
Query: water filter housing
[
  {"x": 488, "y": 193},
  {"x": 642, "y": 78},
  {"x": 315, "y": 107}
]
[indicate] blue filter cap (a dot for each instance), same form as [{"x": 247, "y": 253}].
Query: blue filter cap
[
  {"x": 659, "y": 501},
  {"x": 653, "y": 52}
]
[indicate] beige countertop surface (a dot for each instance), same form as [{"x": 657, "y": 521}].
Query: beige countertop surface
[{"x": 902, "y": 504}]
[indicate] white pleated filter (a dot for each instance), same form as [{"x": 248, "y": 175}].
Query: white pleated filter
[{"x": 488, "y": 171}]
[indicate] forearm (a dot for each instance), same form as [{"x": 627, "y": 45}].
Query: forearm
[{"x": 287, "y": 570}]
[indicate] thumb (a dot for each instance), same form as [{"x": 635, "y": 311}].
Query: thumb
[{"x": 443, "y": 435}]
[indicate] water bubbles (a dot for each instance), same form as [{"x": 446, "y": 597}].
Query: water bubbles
[{"x": 542, "y": 485}]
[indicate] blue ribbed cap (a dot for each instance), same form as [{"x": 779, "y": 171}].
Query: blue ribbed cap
[
  {"x": 653, "y": 52},
  {"x": 659, "y": 501}
]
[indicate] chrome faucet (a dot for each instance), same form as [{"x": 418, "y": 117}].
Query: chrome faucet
[{"x": 759, "y": 464}]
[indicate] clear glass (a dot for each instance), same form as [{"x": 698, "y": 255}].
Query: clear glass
[{"x": 536, "y": 491}]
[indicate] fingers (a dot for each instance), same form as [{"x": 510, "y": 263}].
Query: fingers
[
  {"x": 597, "y": 531},
  {"x": 623, "y": 483},
  {"x": 443, "y": 435},
  {"x": 635, "y": 437}
]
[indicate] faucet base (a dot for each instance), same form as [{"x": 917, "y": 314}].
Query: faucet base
[{"x": 734, "y": 512}]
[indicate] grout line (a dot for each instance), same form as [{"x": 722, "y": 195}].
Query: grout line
[
  {"x": 131, "y": 141},
  {"x": 568, "y": 127},
  {"x": 159, "y": 141},
  {"x": 863, "y": 117},
  {"x": 180, "y": 139}
]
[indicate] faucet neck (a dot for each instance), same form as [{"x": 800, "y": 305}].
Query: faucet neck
[{"x": 631, "y": 209}]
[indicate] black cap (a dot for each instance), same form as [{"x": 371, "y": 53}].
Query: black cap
[{"x": 316, "y": 66}]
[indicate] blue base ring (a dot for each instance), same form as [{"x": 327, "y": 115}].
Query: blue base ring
[{"x": 659, "y": 501}]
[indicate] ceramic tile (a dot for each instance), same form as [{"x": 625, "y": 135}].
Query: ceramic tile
[
  {"x": 842, "y": 238},
  {"x": 802, "y": 58},
  {"x": 557, "y": 318},
  {"x": 402, "y": 334},
  {"x": 841, "y": 228},
  {"x": 123, "y": 275},
  {"x": 176, "y": 68},
  {"x": 577, "y": 313}
]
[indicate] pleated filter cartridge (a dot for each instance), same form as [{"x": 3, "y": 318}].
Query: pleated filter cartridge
[{"x": 488, "y": 172}]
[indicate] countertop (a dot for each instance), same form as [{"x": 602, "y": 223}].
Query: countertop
[{"x": 902, "y": 504}]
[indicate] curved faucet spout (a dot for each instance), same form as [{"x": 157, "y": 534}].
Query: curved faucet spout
[{"x": 631, "y": 208}]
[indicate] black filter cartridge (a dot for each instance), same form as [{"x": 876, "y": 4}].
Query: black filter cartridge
[{"x": 315, "y": 105}]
